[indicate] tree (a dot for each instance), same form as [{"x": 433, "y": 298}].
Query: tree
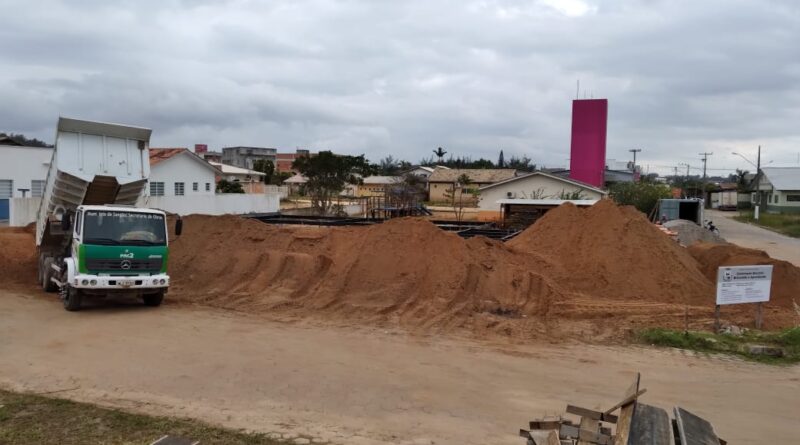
[
  {"x": 642, "y": 195},
  {"x": 501, "y": 162},
  {"x": 455, "y": 194},
  {"x": 225, "y": 186},
  {"x": 32, "y": 142},
  {"x": 388, "y": 166},
  {"x": 523, "y": 164},
  {"x": 741, "y": 180},
  {"x": 327, "y": 175},
  {"x": 265, "y": 166},
  {"x": 440, "y": 152}
]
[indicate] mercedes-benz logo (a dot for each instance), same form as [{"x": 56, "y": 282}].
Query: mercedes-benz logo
[{"x": 125, "y": 264}]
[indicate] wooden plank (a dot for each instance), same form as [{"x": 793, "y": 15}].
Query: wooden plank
[
  {"x": 552, "y": 439},
  {"x": 547, "y": 424},
  {"x": 574, "y": 432},
  {"x": 694, "y": 430},
  {"x": 592, "y": 414},
  {"x": 590, "y": 425},
  {"x": 627, "y": 400},
  {"x": 626, "y": 413},
  {"x": 650, "y": 426}
]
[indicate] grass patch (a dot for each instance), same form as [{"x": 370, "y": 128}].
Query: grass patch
[
  {"x": 787, "y": 224},
  {"x": 788, "y": 340},
  {"x": 34, "y": 419}
]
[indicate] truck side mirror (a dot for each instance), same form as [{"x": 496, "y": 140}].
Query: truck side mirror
[
  {"x": 178, "y": 226},
  {"x": 66, "y": 223}
]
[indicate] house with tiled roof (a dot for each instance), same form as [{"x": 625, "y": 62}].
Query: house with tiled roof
[
  {"x": 179, "y": 172},
  {"x": 443, "y": 180}
]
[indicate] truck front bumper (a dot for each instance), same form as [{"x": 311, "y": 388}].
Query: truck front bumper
[{"x": 103, "y": 282}]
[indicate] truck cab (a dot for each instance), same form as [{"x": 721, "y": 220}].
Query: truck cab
[{"x": 113, "y": 250}]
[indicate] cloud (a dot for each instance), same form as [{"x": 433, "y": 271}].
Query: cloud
[{"x": 382, "y": 77}]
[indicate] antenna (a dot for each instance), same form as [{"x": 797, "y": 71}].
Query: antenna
[{"x": 578, "y": 90}]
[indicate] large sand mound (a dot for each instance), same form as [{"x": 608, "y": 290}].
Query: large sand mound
[{"x": 613, "y": 252}]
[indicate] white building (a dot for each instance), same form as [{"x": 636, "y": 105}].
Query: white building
[
  {"x": 23, "y": 171},
  {"x": 533, "y": 186},
  {"x": 251, "y": 181},
  {"x": 179, "y": 172},
  {"x": 780, "y": 189}
]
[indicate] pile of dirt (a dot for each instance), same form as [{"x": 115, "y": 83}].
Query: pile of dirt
[
  {"x": 614, "y": 253},
  {"x": 406, "y": 271},
  {"x": 17, "y": 257},
  {"x": 573, "y": 270},
  {"x": 785, "y": 275},
  {"x": 690, "y": 233}
]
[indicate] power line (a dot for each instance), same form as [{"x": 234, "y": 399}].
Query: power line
[{"x": 705, "y": 156}]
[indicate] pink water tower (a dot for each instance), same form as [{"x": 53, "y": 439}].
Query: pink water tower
[{"x": 588, "y": 148}]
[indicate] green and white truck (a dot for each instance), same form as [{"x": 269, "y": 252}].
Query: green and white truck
[{"x": 90, "y": 237}]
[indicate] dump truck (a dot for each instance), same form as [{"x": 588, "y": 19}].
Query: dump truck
[{"x": 91, "y": 239}]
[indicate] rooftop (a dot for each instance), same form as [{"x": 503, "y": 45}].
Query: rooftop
[
  {"x": 783, "y": 178},
  {"x": 382, "y": 179},
  {"x": 233, "y": 170},
  {"x": 162, "y": 154},
  {"x": 476, "y": 175}
]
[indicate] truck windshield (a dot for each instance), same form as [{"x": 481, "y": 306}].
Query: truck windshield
[{"x": 123, "y": 228}]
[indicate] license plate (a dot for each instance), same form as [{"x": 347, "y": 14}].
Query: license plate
[{"x": 126, "y": 283}]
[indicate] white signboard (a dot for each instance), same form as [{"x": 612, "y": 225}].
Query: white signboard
[{"x": 743, "y": 284}]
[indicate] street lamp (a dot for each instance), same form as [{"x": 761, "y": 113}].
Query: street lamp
[{"x": 749, "y": 161}]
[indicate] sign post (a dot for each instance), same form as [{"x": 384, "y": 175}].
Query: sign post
[{"x": 743, "y": 284}]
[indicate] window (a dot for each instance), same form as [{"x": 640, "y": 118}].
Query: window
[
  {"x": 208, "y": 186},
  {"x": 178, "y": 189},
  {"x": 6, "y": 188},
  {"x": 37, "y": 187},
  {"x": 156, "y": 189},
  {"x": 792, "y": 198},
  {"x": 194, "y": 187},
  {"x": 78, "y": 221},
  {"x": 776, "y": 198}
]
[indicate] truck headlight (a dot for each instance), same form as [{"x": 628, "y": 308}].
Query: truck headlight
[
  {"x": 155, "y": 281},
  {"x": 85, "y": 282},
  {"x": 163, "y": 281},
  {"x": 93, "y": 282}
]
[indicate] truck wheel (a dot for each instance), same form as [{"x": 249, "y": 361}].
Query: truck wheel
[
  {"x": 71, "y": 298},
  {"x": 47, "y": 272},
  {"x": 153, "y": 299}
]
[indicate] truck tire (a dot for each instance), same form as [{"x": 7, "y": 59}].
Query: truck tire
[
  {"x": 153, "y": 299},
  {"x": 72, "y": 298},
  {"x": 47, "y": 273}
]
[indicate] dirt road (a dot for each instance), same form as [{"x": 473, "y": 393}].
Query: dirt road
[
  {"x": 362, "y": 386},
  {"x": 747, "y": 235}
]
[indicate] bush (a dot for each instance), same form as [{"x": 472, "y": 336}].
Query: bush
[{"x": 642, "y": 195}]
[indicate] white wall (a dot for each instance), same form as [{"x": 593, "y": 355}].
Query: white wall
[
  {"x": 219, "y": 204},
  {"x": 527, "y": 187},
  {"x": 23, "y": 211},
  {"x": 182, "y": 168},
  {"x": 24, "y": 164}
]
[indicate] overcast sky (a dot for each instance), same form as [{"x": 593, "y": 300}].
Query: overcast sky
[{"x": 383, "y": 77}]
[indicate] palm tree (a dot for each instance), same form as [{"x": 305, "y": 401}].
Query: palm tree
[{"x": 440, "y": 152}]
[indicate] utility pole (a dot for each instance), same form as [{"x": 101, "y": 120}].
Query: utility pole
[
  {"x": 758, "y": 185},
  {"x": 705, "y": 161},
  {"x": 633, "y": 167}
]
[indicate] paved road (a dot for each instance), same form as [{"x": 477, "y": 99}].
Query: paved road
[
  {"x": 363, "y": 386},
  {"x": 747, "y": 235}
]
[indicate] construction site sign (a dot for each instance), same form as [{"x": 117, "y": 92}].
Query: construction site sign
[{"x": 743, "y": 284}]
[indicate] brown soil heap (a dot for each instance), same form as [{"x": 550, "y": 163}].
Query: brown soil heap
[
  {"x": 17, "y": 257},
  {"x": 613, "y": 252},
  {"x": 785, "y": 276}
]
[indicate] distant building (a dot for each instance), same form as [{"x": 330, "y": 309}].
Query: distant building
[
  {"x": 588, "y": 144},
  {"x": 211, "y": 156},
  {"x": 533, "y": 186},
  {"x": 376, "y": 185},
  {"x": 23, "y": 171},
  {"x": 424, "y": 171},
  {"x": 284, "y": 161},
  {"x": 779, "y": 188},
  {"x": 443, "y": 180},
  {"x": 245, "y": 157},
  {"x": 250, "y": 180},
  {"x": 179, "y": 172}
]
